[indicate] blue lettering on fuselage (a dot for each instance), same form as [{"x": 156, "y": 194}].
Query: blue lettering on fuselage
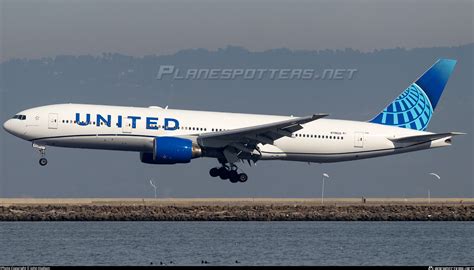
[
  {"x": 134, "y": 120},
  {"x": 101, "y": 119},
  {"x": 150, "y": 122},
  {"x": 82, "y": 123},
  {"x": 175, "y": 125},
  {"x": 119, "y": 121}
]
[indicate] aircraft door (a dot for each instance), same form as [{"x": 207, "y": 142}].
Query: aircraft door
[
  {"x": 127, "y": 125},
  {"x": 359, "y": 139},
  {"x": 53, "y": 121}
]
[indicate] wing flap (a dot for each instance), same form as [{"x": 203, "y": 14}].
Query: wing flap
[{"x": 265, "y": 134}]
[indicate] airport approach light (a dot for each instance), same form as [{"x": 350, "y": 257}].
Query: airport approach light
[
  {"x": 429, "y": 192},
  {"x": 154, "y": 186},
  {"x": 325, "y": 175}
]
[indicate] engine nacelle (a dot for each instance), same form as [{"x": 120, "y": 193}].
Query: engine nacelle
[{"x": 171, "y": 150}]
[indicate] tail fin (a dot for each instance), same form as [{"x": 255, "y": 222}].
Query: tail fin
[{"x": 414, "y": 107}]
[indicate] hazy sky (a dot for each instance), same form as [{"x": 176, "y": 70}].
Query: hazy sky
[
  {"x": 32, "y": 29},
  {"x": 49, "y": 28}
]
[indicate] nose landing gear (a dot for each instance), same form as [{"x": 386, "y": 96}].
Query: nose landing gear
[
  {"x": 228, "y": 172},
  {"x": 42, "y": 149},
  {"x": 43, "y": 161}
]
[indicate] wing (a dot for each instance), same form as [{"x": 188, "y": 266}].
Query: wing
[
  {"x": 425, "y": 138},
  {"x": 246, "y": 139}
]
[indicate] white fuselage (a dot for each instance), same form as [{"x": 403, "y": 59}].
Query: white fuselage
[{"x": 134, "y": 129}]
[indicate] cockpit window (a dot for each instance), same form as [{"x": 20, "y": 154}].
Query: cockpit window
[{"x": 19, "y": 116}]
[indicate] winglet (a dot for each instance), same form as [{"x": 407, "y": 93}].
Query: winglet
[{"x": 319, "y": 115}]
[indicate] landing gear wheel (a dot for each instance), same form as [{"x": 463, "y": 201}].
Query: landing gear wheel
[
  {"x": 242, "y": 177},
  {"x": 214, "y": 172},
  {"x": 223, "y": 173},
  {"x": 43, "y": 161},
  {"x": 42, "y": 149},
  {"x": 230, "y": 172},
  {"x": 233, "y": 176}
]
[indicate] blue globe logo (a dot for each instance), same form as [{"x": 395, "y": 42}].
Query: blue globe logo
[{"x": 412, "y": 109}]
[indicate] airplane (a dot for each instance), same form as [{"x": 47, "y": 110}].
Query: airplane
[{"x": 169, "y": 136}]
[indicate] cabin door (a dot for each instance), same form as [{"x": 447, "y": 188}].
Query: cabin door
[
  {"x": 127, "y": 125},
  {"x": 53, "y": 121},
  {"x": 359, "y": 139}
]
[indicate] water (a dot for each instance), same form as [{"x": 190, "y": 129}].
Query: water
[{"x": 250, "y": 243}]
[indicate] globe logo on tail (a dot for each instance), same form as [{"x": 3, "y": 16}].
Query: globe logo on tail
[{"x": 412, "y": 109}]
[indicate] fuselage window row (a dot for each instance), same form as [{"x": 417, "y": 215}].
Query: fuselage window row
[
  {"x": 158, "y": 126},
  {"x": 320, "y": 136},
  {"x": 205, "y": 129}
]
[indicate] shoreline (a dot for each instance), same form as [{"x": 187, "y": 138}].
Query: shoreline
[
  {"x": 233, "y": 201},
  {"x": 236, "y": 209}
]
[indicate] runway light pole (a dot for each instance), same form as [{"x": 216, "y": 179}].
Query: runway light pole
[
  {"x": 429, "y": 192},
  {"x": 325, "y": 175},
  {"x": 154, "y": 186}
]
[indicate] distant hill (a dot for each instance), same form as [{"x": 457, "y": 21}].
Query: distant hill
[{"x": 125, "y": 80}]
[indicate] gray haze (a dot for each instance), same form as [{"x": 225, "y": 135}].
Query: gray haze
[
  {"x": 48, "y": 28},
  {"x": 125, "y": 80},
  {"x": 62, "y": 45}
]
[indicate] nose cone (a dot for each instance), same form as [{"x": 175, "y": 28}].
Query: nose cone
[
  {"x": 8, "y": 126},
  {"x": 13, "y": 127}
]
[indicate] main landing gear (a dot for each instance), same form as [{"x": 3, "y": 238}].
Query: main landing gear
[
  {"x": 43, "y": 161},
  {"x": 229, "y": 172}
]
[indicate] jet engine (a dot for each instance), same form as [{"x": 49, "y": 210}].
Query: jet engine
[{"x": 171, "y": 150}]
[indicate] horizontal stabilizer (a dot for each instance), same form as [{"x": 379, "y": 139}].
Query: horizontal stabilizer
[{"x": 425, "y": 138}]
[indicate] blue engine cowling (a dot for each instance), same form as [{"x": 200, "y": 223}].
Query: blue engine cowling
[{"x": 171, "y": 150}]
